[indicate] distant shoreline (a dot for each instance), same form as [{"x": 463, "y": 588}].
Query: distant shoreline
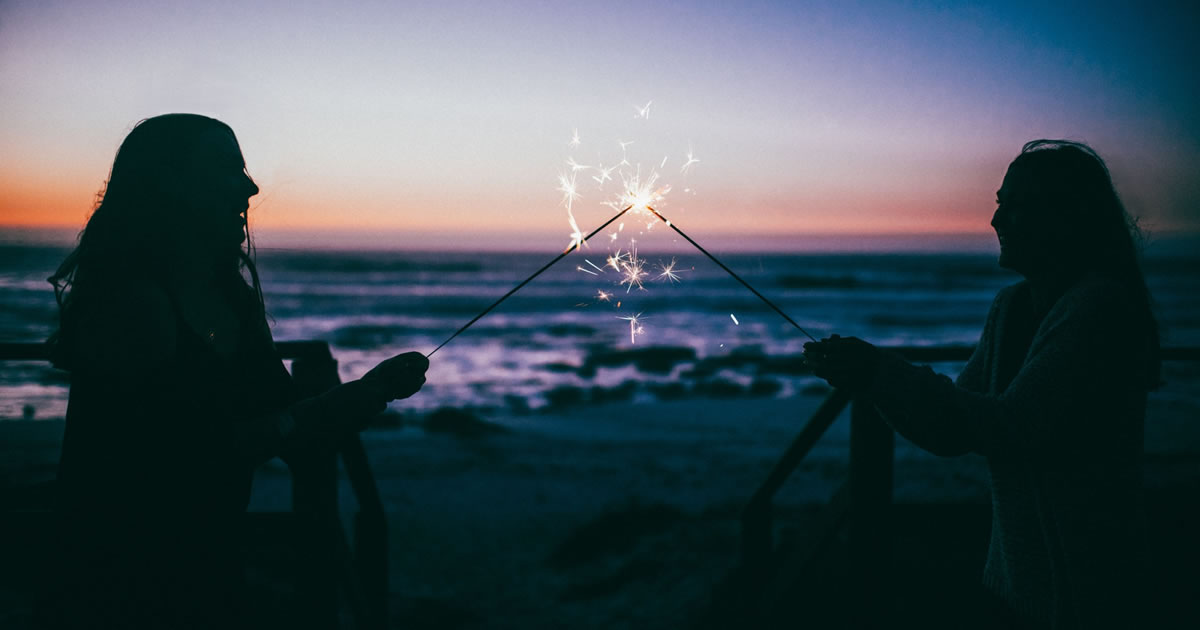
[{"x": 1157, "y": 244}]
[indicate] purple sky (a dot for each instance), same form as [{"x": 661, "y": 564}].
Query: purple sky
[{"x": 448, "y": 124}]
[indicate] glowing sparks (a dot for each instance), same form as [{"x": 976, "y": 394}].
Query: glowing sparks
[
  {"x": 637, "y": 189},
  {"x": 668, "y": 272},
  {"x": 605, "y": 174},
  {"x": 566, "y": 185},
  {"x": 735, "y": 321},
  {"x": 614, "y": 260},
  {"x": 633, "y": 271},
  {"x": 691, "y": 159},
  {"x": 635, "y": 326},
  {"x": 637, "y": 194}
]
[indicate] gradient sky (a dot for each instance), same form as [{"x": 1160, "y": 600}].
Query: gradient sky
[{"x": 447, "y": 123}]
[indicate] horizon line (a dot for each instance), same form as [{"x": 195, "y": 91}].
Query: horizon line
[{"x": 299, "y": 239}]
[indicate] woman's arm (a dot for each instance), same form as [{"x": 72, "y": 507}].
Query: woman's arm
[{"x": 1083, "y": 365}]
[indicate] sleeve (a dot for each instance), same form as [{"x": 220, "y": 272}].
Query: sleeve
[{"x": 1082, "y": 364}]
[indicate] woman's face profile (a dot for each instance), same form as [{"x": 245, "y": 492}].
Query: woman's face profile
[
  {"x": 218, "y": 191},
  {"x": 1025, "y": 245}
]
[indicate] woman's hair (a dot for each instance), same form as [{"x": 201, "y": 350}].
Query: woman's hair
[
  {"x": 1073, "y": 186},
  {"x": 134, "y": 230}
]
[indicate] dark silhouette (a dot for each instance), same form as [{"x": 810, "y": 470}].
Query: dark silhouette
[
  {"x": 177, "y": 393},
  {"x": 1054, "y": 396}
]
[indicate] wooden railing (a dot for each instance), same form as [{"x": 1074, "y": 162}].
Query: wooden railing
[
  {"x": 861, "y": 505},
  {"x": 329, "y": 563}
]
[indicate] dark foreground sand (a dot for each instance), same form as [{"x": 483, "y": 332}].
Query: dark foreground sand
[{"x": 613, "y": 516}]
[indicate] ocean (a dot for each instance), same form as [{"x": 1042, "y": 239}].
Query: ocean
[{"x": 565, "y": 339}]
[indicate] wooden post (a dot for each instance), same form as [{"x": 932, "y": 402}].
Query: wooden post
[
  {"x": 315, "y": 504},
  {"x": 370, "y": 533},
  {"x": 871, "y": 450}
]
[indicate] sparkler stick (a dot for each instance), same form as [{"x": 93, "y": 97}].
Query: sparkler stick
[
  {"x": 730, "y": 272},
  {"x": 572, "y": 247}
]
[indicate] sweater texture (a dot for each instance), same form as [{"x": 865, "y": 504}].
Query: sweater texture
[{"x": 1057, "y": 407}]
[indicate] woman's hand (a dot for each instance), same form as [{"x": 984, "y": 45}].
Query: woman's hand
[
  {"x": 350, "y": 406},
  {"x": 845, "y": 362},
  {"x": 398, "y": 377}
]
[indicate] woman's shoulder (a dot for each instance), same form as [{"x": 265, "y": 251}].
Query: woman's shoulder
[
  {"x": 1009, "y": 294},
  {"x": 1096, "y": 290}
]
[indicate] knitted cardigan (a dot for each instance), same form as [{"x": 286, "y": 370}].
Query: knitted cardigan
[{"x": 1063, "y": 442}]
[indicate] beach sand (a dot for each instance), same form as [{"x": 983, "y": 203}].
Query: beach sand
[{"x": 621, "y": 515}]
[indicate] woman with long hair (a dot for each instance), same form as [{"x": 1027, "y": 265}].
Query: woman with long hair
[
  {"x": 1054, "y": 395},
  {"x": 177, "y": 392}
]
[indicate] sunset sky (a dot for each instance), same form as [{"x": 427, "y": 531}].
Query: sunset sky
[{"x": 446, "y": 124}]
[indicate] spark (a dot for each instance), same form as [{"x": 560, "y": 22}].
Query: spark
[
  {"x": 587, "y": 271},
  {"x": 603, "y": 296},
  {"x": 635, "y": 326},
  {"x": 576, "y": 166},
  {"x": 634, "y": 270},
  {"x": 668, "y": 272},
  {"x": 691, "y": 159},
  {"x": 566, "y": 185},
  {"x": 637, "y": 194},
  {"x": 614, "y": 260},
  {"x": 574, "y": 139},
  {"x": 643, "y": 111},
  {"x": 593, "y": 265},
  {"x": 735, "y": 321},
  {"x": 663, "y": 163},
  {"x": 605, "y": 174}
]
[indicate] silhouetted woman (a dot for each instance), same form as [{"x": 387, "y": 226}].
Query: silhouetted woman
[
  {"x": 177, "y": 392},
  {"x": 1054, "y": 395}
]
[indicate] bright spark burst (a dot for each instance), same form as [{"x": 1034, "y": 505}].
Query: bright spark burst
[
  {"x": 603, "y": 296},
  {"x": 691, "y": 159},
  {"x": 643, "y": 111},
  {"x": 574, "y": 139},
  {"x": 576, "y": 166},
  {"x": 614, "y": 260},
  {"x": 668, "y": 272},
  {"x": 635, "y": 326},
  {"x": 639, "y": 195},
  {"x": 634, "y": 272}
]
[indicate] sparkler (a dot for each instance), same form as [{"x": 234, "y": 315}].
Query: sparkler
[
  {"x": 730, "y": 272},
  {"x": 570, "y": 248},
  {"x": 637, "y": 196}
]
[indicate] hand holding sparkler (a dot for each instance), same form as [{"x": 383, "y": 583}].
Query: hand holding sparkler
[{"x": 845, "y": 362}]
